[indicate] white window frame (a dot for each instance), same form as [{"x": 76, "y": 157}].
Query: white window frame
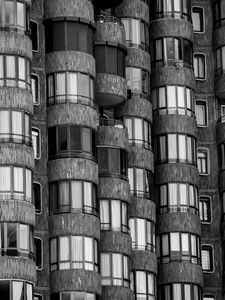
[
  {"x": 38, "y": 295},
  {"x": 203, "y": 54},
  {"x": 210, "y": 203},
  {"x": 203, "y": 19},
  {"x": 39, "y": 140},
  {"x": 36, "y": 182},
  {"x": 213, "y": 265},
  {"x": 38, "y": 39},
  {"x": 206, "y": 113},
  {"x": 38, "y": 89},
  {"x": 39, "y": 238},
  {"x": 204, "y": 149}
]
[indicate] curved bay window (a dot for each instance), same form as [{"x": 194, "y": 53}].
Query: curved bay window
[
  {"x": 110, "y": 60},
  {"x": 142, "y": 234},
  {"x": 15, "y": 127},
  {"x": 15, "y": 14},
  {"x": 178, "y": 246},
  {"x": 112, "y": 162},
  {"x": 71, "y": 141},
  {"x": 115, "y": 269},
  {"x": 63, "y": 34},
  {"x": 139, "y": 132},
  {"x": 15, "y": 183},
  {"x": 177, "y": 197},
  {"x": 177, "y": 9},
  {"x": 136, "y": 33},
  {"x": 172, "y": 99},
  {"x": 70, "y": 87},
  {"x": 114, "y": 215},
  {"x": 16, "y": 240},
  {"x": 143, "y": 284},
  {"x": 72, "y": 196},
  {"x": 218, "y": 13},
  {"x": 220, "y": 61},
  {"x": 73, "y": 296},
  {"x": 16, "y": 289},
  {"x": 177, "y": 291},
  {"x": 174, "y": 148},
  {"x": 171, "y": 51},
  {"x": 15, "y": 71},
  {"x": 73, "y": 252},
  {"x": 138, "y": 82},
  {"x": 141, "y": 182}
]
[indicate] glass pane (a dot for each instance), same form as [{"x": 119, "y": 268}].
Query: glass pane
[
  {"x": 24, "y": 237},
  {"x": 20, "y": 14},
  {"x": 9, "y": 13},
  {"x": 18, "y": 179},
  {"x": 76, "y": 194}
]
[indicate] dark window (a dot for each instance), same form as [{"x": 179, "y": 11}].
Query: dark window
[
  {"x": 64, "y": 35},
  {"x": 37, "y": 197},
  {"x": 34, "y": 35},
  {"x": 71, "y": 141},
  {"x": 15, "y": 289},
  {"x": 35, "y": 88},
  {"x": 72, "y": 196},
  {"x": 207, "y": 258},
  {"x": 138, "y": 82},
  {"x": 38, "y": 244},
  {"x": 112, "y": 161},
  {"x": 205, "y": 209},
  {"x": 197, "y": 19}
]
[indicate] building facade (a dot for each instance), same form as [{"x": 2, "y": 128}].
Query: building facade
[{"x": 112, "y": 182}]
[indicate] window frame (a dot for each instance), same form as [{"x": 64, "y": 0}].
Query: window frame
[
  {"x": 34, "y": 21},
  {"x": 209, "y": 199},
  {"x": 206, "y": 112},
  {"x": 147, "y": 190},
  {"x": 24, "y": 288},
  {"x": 37, "y": 103},
  {"x": 211, "y": 256},
  {"x": 133, "y": 287},
  {"x": 207, "y": 160},
  {"x": 42, "y": 252},
  {"x": 198, "y": 54},
  {"x": 38, "y": 183},
  {"x": 202, "y": 16},
  {"x": 38, "y": 151},
  {"x": 39, "y": 296}
]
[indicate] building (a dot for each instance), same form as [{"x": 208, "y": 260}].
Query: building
[{"x": 112, "y": 150}]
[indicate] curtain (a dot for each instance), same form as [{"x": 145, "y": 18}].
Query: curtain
[
  {"x": 171, "y": 97},
  {"x": 105, "y": 268},
  {"x": 127, "y": 28},
  {"x": 140, "y": 180},
  {"x": 24, "y": 237},
  {"x": 117, "y": 268},
  {"x": 53, "y": 248},
  {"x": 132, "y": 230},
  {"x": 188, "y": 98},
  {"x": 163, "y": 195},
  {"x": 180, "y": 96},
  {"x": 83, "y": 85},
  {"x": 77, "y": 254},
  {"x": 141, "y": 287},
  {"x": 151, "y": 284},
  {"x": 10, "y": 66},
  {"x": 165, "y": 244},
  {"x": 29, "y": 292},
  {"x": 177, "y": 291},
  {"x": 175, "y": 242},
  {"x": 64, "y": 198},
  {"x": 5, "y": 179},
  {"x": 128, "y": 123},
  {"x": 18, "y": 179},
  {"x": 191, "y": 195},
  {"x": 64, "y": 253},
  {"x": 136, "y": 80},
  {"x": 136, "y": 31},
  {"x": 182, "y": 147},
  {"x": 124, "y": 214},
  {"x": 22, "y": 70},
  {"x": 185, "y": 243},
  {"x": 187, "y": 292},
  {"x": 138, "y": 130},
  {"x": 141, "y": 233},
  {"x": 177, "y": 7},
  {"x": 104, "y": 214},
  {"x": 173, "y": 201},
  {"x": 89, "y": 253},
  {"x": 131, "y": 178},
  {"x": 200, "y": 111},
  {"x": 183, "y": 194},
  {"x": 9, "y": 13},
  {"x": 88, "y": 194},
  {"x": 193, "y": 245},
  {"x": 172, "y": 146},
  {"x": 17, "y": 287},
  {"x": 17, "y": 124},
  {"x": 189, "y": 149},
  {"x": 115, "y": 214},
  {"x": 72, "y": 86},
  {"x": 28, "y": 184},
  {"x": 162, "y": 148},
  {"x": 167, "y": 292},
  {"x": 1, "y": 70},
  {"x": 167, "y": 5},
  {"x": 60, "y": 87}
]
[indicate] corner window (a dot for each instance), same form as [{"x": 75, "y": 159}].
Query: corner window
[
  {"x": 35, "y": 88},
  {"x": 114, "y": 215},
  {"x": 203, "y": 161},
  {"x": 143, "y": 284},
  {"x": 177, "y": 197},
  {"x": 72, "y": 196},
  {"x": 141, "y": 182},
  {"x": 15, "y": 289},
  {"x": 172, "y": 99},
  {"x": 73, "y": 252},
  {"x": 179, "y": 291},
  {"x": 142, "y": 234},
  {"x": 199, "y": 66},
  {"x": 115, "y": 269},
  {"x": 34, "y": 35},
  {"x": 207, "y": 258},
  {"x": 38, "y": 246},
  {"x": 198, "y": 19},
  {"x": 205, "y": 209},
  {"x": 36, "y": 138},
  {"x": 37, "y": 197},
  {"x": 201, "y": 113},
  {"x": 138, "y": 82}
]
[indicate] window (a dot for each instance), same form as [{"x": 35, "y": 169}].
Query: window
[
  {"x": 139, "y": 132},
  {"x": 70, "y": 87},
  {"x": 114, "y": 215},
  {"x": 38, "y": 246},
  {"x": 199, "y": 66},
  {"x": 172, "y": 99},
  {"x": 15, "y": 183},
  {"x": 16, "y": 240},
  {"x": 35, "y": 88},
  {"x": 177, "y": 197},
  {"x": 138, "y": 82},
  {"x": 203, "y": 161},
  {"x": 36, "y": 138},
  {"x": 178, "y": 9},
  {"x": 141, "y": 182},
  {"x": 218, "y": 13},
  {"x": 72, "y": 196},
  {"x": 112, "y": 161},
  {"x": 205, "y": 209},
  {"x": 15, "y": 14},
  {"x": 38, "y": 297},
  {"x": 219, "y": 61},
  {"x": 171, "y": 51},
  {"x": 178, "y": 246},
  {"x": 73, "y": 252},
  {"x": 62, "y": 35},
  {"x": 142, "y": 234},
  {"x": 37, "y": 197},
  {"x": 15, "y": 126},
  {"x": 208, "y": 297},
  {"x": 223, "y": 204},
  {"x": 110, "y": 60},
  {"x": 71, "y": 141},
  {"x": 222, "y": 155},
  {"x": 207, "y": 258},
  {"x": 15, "y": 289},
  {"x": 73, "y": 296},
  {"x": 136, "y": 33},
  {"x": 201, "y": 113},
  {"x": 14, "y": 71},
  {"x": 143, "y": 284},
  {"x": 173, "y": 148},
  {"x": 177, "y": 291},
  {"x": 115, "y": 269},
  {"x": 34, "y": 35},
  {"x": 198, "y": 19}
]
